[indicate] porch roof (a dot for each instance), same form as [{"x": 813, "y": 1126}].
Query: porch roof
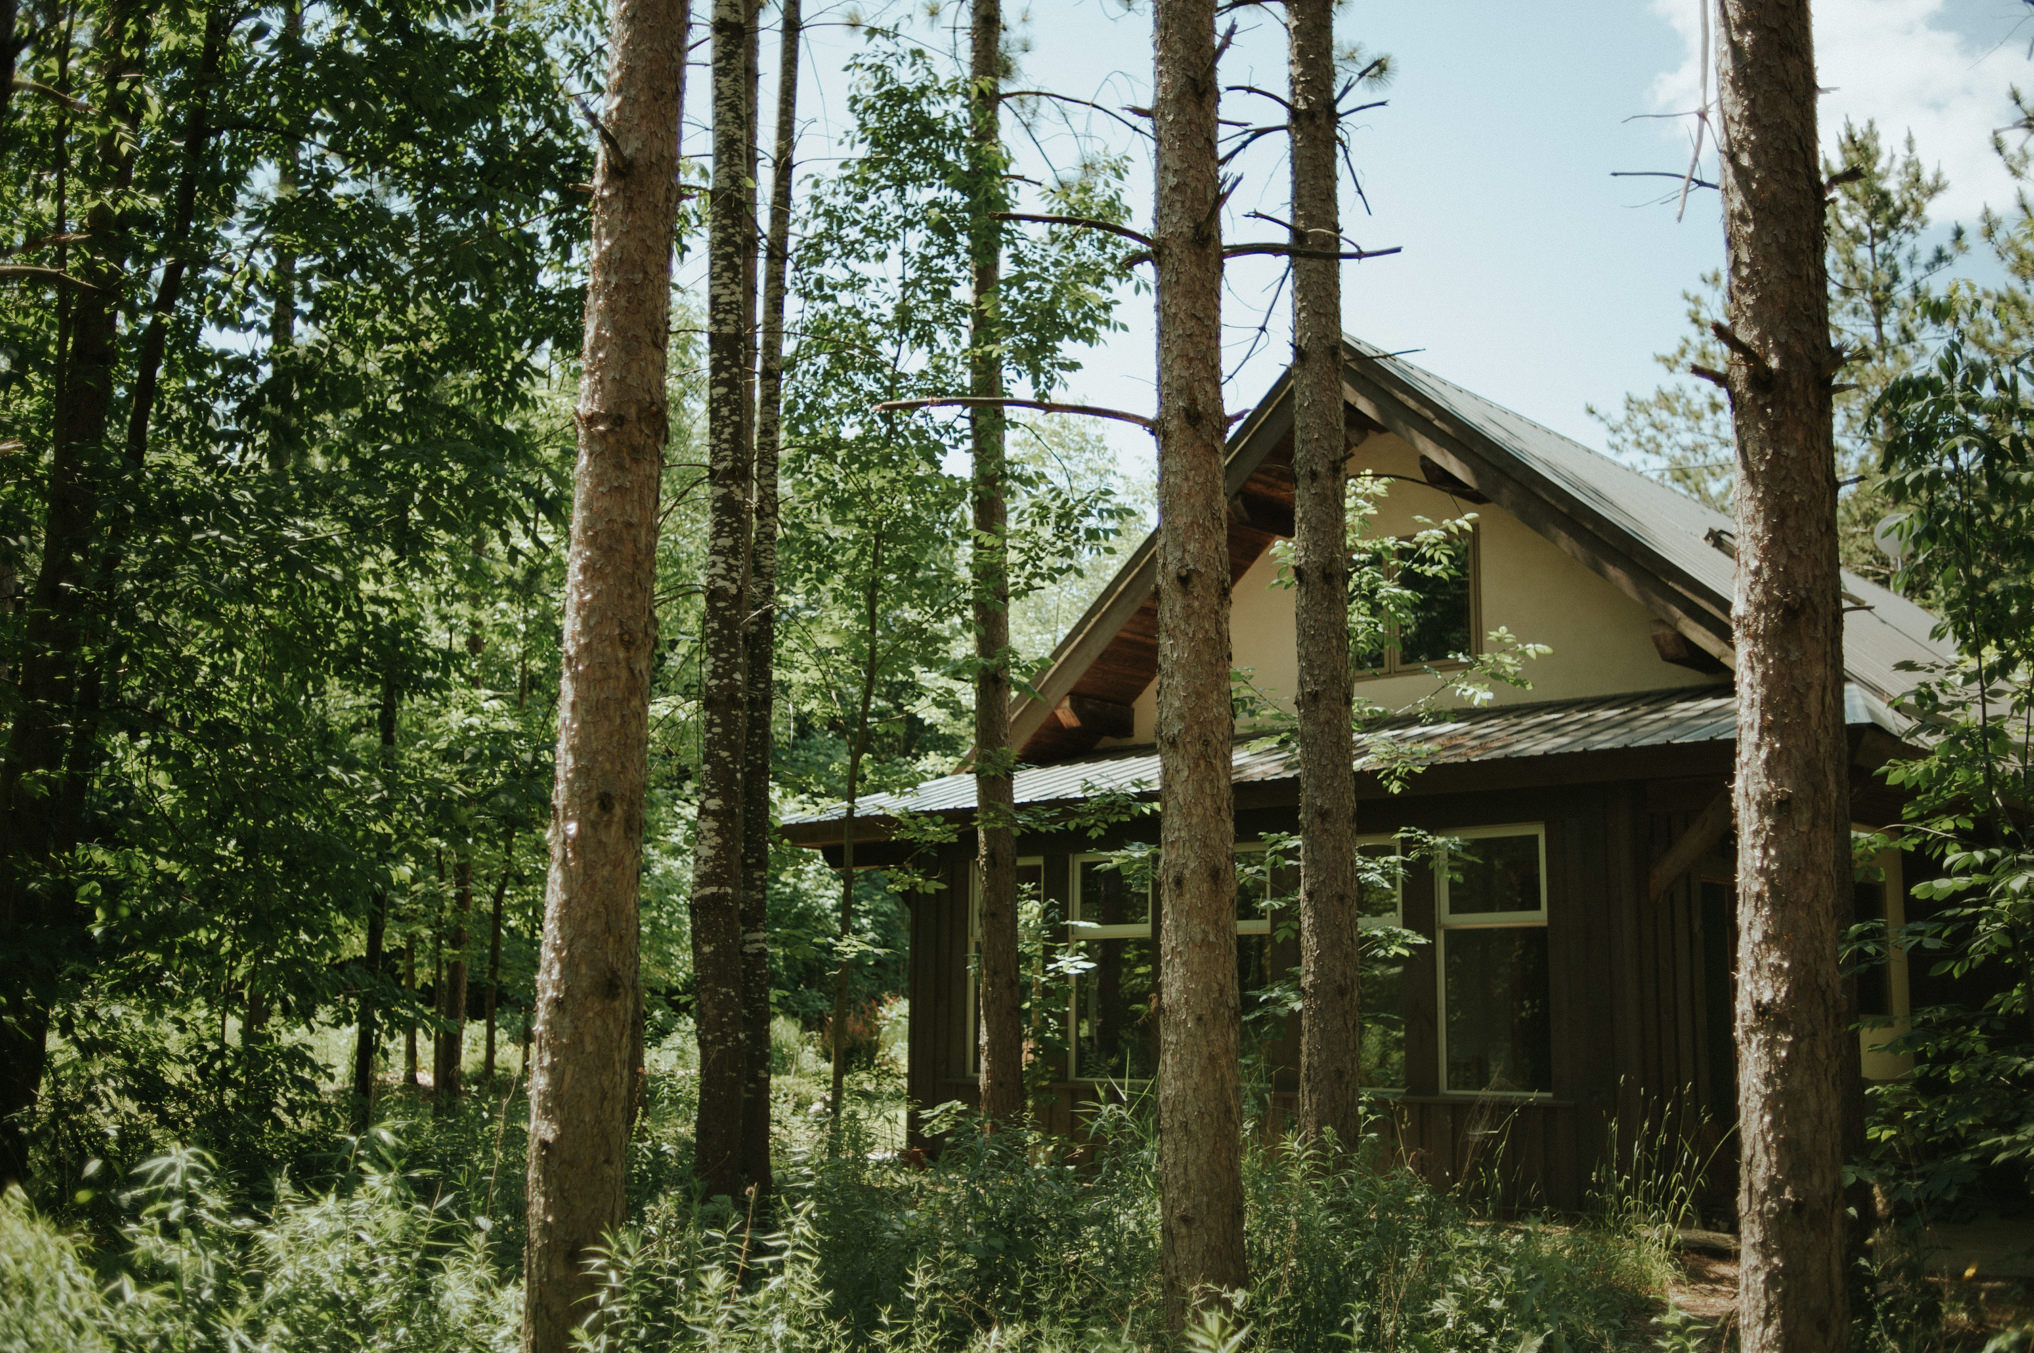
[{"x": 1503, "y": 733}]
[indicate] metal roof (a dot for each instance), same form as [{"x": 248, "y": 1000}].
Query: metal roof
[
  {"x": 1885, "y": 631},
  {"x": 1504, "y": 733}
]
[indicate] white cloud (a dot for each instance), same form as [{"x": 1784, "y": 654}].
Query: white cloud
[{"x": 1901, "y": 63}]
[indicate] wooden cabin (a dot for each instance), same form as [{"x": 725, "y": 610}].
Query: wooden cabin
[{"x": 1573, "y": 977}]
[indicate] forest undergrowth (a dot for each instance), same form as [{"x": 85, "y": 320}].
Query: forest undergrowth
[{"x": 409, "y": 1237}]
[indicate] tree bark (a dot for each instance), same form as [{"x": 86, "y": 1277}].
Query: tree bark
[
  {"x": 717, "y": 850},
  {"x": 410, "y": 1017},
  {"x": 1200, "y": 1109},
  {"x": 856, "y": 750},
  {"x": 1791, "y": 806},
  {"x": 494, "y": 920},
  {"x": 41, "y": 786},
  {"x": 763, "y": 620},
  {"x": 589, "y": 969},
  {"x": 448, "y": 1042},
  {"x": 365, "y": 1036},
  {"x": 1001, "y": 1043},
  {"x": 1331, "y": 1029}
]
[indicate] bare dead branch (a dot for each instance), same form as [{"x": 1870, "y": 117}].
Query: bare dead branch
[
  {"x": 31, "y": 272},
  {"x": 1295, "y": 251},
  {"x": 1085, "y": 103},
  {"x": 1675, "y": 175},
  {"x": 1710, "y": 374},
  {"x": 1753, "y": 358},
  {"x": 1042, "y": 405},
  {"x": 1089, "y": 222},
  {"x": 1261, "y": 93}
]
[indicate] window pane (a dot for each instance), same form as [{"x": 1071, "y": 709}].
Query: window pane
[
  {"x": 1377, "y": 882},
  {"x": 1265, "y": 887},
  {"x": 1109, "y": 897},
  {"x": 1266, "y": 998},
  {"x": 1494, "y": 873},
  {"x": 1115, "y": 1029},
  {"x": 1382, "y": 1065},
  {"x": 1496, "y": 992},
  {"x": 1437, "y": 624}
]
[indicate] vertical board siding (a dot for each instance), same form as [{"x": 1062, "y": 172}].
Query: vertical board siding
[{"x": 1628, "y": 983}]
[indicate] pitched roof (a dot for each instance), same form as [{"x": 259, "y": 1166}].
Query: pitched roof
[
  {"x": 1680, "y": 717},
  {"x": 1662, "y": 548}
]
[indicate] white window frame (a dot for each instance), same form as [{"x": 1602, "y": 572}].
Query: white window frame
[
  {"x": 1080, "y": 931},
  {"x": 1446, "y": 921},
  {"x": 1395, "y": 921},
  {"x": 1395, "y": 664},
  {"x": 975, "y": 952}
]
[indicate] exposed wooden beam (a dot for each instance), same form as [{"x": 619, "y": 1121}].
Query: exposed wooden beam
[
  {"x": 1698, "y": 840},
  {"x": 1567, "y": 524},
  {"x": 1674, "y": 646},
  {"x": 1103, "y": 718}
]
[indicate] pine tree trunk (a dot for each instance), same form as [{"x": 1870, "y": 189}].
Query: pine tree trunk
[
  {"x": 588, "y": 973},
  {"x": 717, "y": 850},
  {"x": 763, "y": 622},
  {"x": 1331, "y": 1033},
  {"x": 1001, "y": 1009},
  {"x": 1792, "y": 812},
  {"x": 1200, "y": 1109}
]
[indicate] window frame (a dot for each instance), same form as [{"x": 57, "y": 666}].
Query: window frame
[
  {"x": 1395, "y": 665},
  {"x": 1446, "y": 921},
  {"x": 975, "y": 951},
  {"x": 1080, "y": 931}
]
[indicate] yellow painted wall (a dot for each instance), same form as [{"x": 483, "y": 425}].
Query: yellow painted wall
[{"x": 1601, "y": 639}]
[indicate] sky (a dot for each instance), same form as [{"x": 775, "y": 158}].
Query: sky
[{"x": 1526, "y": 271}]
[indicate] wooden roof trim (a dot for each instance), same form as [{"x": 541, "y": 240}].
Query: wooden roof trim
[
  {"x": 1269, "y": 420},
  {"x": 1573, "y": 526}
]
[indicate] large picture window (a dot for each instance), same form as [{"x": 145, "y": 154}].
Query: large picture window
[
  {"x": 1492, "y": 939},
  {"x": 1030, "y": 887},
  {"x": 1114, "y": 936},
  {"x": 1382, "y": 990}
]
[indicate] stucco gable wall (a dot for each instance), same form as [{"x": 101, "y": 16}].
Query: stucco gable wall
[{"x": 1601, "y": 639}]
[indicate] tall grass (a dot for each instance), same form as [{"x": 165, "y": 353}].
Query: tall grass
[{"x": 410, "y": 1239}]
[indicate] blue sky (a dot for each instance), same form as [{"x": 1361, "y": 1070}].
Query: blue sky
[{"x": 1528, "y": 272}]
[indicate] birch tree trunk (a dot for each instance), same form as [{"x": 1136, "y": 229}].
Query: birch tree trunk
[
  {"x": 1791, "y": 806},
  {"x": 717, "y": 853},
  {"x": 1001, "y": 1041},
  {"x": 1200, "y": 1109},
  {"x": 763, "y": 620},
  {"x": 588, "y": 971},
  {"x": 1331, "y": 1033}
]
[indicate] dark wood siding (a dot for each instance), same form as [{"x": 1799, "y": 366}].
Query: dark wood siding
[{"x": 1632, "y": 990}]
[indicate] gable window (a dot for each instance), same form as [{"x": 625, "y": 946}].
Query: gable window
[
  {"x": 1429, "y": 617},
  {"x": 1491, "y": 934}
]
